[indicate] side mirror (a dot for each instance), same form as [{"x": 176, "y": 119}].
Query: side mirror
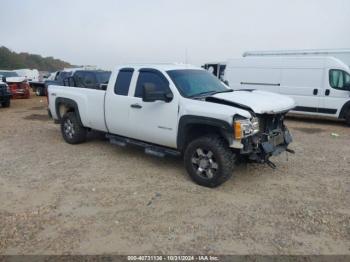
[
  {"x": 3, "y": 79},
  {"x": 150, "y": 94}
]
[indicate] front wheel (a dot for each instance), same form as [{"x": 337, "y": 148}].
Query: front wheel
[
  {"x": 209, "y": 161},
  {"x": 72, "y": 131}
]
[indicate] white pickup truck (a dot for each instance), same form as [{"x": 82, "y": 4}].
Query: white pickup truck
[{"x": 178, "y": 110}]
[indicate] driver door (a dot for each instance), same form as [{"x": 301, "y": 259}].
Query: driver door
[
  {"x": 154, "y": 122},
  {"x": 336, "y": 92}
]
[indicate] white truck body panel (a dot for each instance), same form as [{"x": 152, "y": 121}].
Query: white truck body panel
[
  {"x": 297, "y": 77},
  {"x": 90, "y": 103},
  {"x": 260, "y": 101},
  {"x": 158, "y": 121}
]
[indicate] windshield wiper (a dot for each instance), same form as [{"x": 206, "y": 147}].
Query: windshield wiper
[
  {"x": 203, "y": 93},
  {"x": 212, "y": 93},
  {"x": 225, "y": 91}
]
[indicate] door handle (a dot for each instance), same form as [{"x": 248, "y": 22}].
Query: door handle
[
  {"x": 315, "y": 92},
  {"x": 136, "y": 106},
  {"x": 327, "y": 92}
]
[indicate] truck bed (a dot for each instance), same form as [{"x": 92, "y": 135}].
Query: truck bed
[{"x": 90, "y": 103}]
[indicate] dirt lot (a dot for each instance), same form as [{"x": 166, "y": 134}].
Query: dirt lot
[{"x": 98, "y": 198}]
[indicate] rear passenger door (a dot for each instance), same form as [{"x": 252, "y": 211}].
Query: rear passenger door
[{"x": 117, "y": 103}]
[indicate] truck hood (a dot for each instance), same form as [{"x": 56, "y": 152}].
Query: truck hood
[
  {"x": 261, "y": 102},
  {"x": 15, "y": 79}
]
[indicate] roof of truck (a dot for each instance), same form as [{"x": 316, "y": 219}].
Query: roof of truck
[{"x": 160, "y": 66}]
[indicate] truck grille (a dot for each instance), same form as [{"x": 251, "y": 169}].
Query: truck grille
[{"x": 270, "y": 124}]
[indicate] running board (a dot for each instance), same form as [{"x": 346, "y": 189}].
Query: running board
[{"x": 150, "y": 149}]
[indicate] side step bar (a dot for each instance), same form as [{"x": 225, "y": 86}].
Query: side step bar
[{"x": 150, "y": 149}]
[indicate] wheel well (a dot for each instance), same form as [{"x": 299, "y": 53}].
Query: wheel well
[
  {"x": 194, "y": 131},
  {"x": 345, "y": 109},
  {"x": 64, "y": 108}
]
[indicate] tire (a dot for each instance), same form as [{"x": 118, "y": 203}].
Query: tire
[
  {"x": 39, "y": 91},
  {"x": 6, "y": 104},
  {"x": 209, "y": 161},
  {"x": 347, "y": 117},
  {"x": 72, "y": 131}
]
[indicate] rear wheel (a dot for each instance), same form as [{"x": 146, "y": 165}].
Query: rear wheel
[
  {"x": 6, "y": 104},
  {"x": 72, "y": 131},
  {"x": 39, "y": 91},
  {"x": 209, "y": 161}
]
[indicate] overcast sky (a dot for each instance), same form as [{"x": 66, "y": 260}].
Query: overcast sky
[{"x": 111, "y": 32}]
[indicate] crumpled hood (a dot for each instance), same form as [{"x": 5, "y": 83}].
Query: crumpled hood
[
  {"x": 261, "y": 102},
  {"x": 15, "y": 79}
]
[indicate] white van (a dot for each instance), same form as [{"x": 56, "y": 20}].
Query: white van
[
  {"x": 319, "y": 85},
  {"x": 29, "y": 74}
]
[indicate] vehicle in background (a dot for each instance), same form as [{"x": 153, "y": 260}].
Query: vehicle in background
[
  {"x": 52, "y": 75},
  {"x": 177, "y": 110},
  {"x": 40, "y": 88},
  {"x": 92, "y": 79},
  {"x": 19, "y": 86},
  {"x": 217, "y": 69},
  {"x": 95, "y": 79},
  {"x": 5, "y": 95},
  {"x": 341, "y": 54},
  {"x": 319, "y": 85},
  {"x": 29, "y": 74}
]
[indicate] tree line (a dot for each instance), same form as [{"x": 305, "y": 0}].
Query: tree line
[{"x": 10, "y": 60}]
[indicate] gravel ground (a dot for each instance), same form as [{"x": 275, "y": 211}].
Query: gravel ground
[{"x": 96, "y": 198}]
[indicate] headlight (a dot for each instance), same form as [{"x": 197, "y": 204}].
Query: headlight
[
  {"x": 8, "y": 89},
  {"x": 245, "y": 127}
]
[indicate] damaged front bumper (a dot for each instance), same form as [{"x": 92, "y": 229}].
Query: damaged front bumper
[
  {"x": 261, "y": 147},
  {"x": 272, "y": 139}
]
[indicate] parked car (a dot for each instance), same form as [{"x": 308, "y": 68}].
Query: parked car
[
  {"x": 178, "y": 110},
  {"x": 319, "y": 85},
  {"x": 92, "y": 79},
  {"x": 19, "y": 86},
  {"x": 5, "y": 95},
  {"x": 76, "y": 78}
]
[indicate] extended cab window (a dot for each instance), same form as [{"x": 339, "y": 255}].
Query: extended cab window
[
  {"x": 148, "y": 77},
  {"x": 122, "y": 84},
  {"x": 339, "y": 79}
]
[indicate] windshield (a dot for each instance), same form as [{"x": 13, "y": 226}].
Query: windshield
[
  {"x": 103, "y": 77},
  {"x": 8, "y": 74},
  {"x": 194, "y": 82}
]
